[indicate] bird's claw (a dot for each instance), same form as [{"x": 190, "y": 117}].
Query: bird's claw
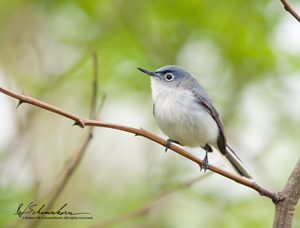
[
  {"x": 168, "y": 144},
  {"x": 204, "y": 164}
]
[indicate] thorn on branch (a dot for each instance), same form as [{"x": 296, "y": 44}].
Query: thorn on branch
[
  {"x": 79, "y": 123},
  {"x": 137, "y": 134},
  {"x": 20, "y": 102},
  {"x": 23, "y": 92}
]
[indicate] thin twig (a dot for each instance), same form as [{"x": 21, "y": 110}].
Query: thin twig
[
  {"x": 288, "y": 8},
  {"x": 74, "y": 157},
  {"x": 95, "y": 87},
  {"x": 70, "y": 170},
  {"x": 145, "y": 208},
  {"x": 141, "y": 132},
  {"x": 75, "y": 160}
]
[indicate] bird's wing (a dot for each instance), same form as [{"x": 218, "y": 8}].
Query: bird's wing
[{"x": 215, "y": 115}]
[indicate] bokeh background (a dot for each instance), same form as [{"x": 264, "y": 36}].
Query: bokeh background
[{"x": 246, "y": 54}]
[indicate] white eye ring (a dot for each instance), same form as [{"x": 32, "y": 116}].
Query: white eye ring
[{"x": 169, "y": 77}]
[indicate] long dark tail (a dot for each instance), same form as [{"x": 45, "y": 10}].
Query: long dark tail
[{"x": 235, "y": 163}]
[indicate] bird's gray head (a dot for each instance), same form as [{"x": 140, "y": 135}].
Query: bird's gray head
[{"x": 172, "y": 76}]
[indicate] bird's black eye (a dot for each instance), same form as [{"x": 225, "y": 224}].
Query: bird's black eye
[{"x": 169, "y": 77}]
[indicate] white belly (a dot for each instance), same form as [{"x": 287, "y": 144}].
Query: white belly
[{"x": 183, "y": 119}]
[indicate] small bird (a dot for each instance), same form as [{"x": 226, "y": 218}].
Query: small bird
[{"x": 184, "y": 111}]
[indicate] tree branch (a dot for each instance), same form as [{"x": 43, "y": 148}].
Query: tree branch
[
  {"x": 288, "y": 8},
  {"x": 141, "y": 132},
  {"x": 284, "y": 210}
]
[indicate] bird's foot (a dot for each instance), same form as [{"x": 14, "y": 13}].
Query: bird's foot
[
  {"x": 168, "y": 144},
  {"x": 204, "y": 164}
]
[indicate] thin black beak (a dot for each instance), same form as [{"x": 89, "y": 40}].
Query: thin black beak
[{"x": 150, "y": 73}]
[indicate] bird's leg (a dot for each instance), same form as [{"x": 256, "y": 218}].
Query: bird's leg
[
  {"x": 204, "y": 163},
  {"x": 168, "y": 144}
]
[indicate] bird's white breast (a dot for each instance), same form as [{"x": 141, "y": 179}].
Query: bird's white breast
[{"x": 181, "y": 117}]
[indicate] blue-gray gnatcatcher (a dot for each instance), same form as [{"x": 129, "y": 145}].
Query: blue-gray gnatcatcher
[{"x": 185, "y": 113}]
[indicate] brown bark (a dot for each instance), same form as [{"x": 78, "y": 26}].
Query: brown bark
[{"x": 285, "y": 209}]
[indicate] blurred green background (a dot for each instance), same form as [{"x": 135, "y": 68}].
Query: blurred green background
[{"x": 246, "y": 55}]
